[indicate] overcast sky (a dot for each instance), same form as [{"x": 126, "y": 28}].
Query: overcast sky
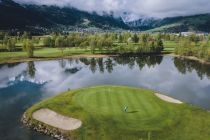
[{"x": 149, "y": 8}]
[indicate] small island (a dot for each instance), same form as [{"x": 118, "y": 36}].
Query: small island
[
  {"x": 71, "y": 49},
  {"x": 99, "y": 112}
]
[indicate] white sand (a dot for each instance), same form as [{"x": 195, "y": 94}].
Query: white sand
[
  {"x": 168, "y": 99},
  {"x": 54, "y": 119}
]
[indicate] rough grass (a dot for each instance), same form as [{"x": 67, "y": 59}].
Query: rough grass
[{"x": 148, "y": 118}]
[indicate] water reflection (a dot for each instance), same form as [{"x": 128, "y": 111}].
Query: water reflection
[
  {"x": 184, "y": 66},
  {"x": 23, "y": 84},
  {"x": 31, "y": 69},
  {"x": 63, "y": 74},
  {"x": 13, "y": 102},
  {"x": 108, "y": 64}
]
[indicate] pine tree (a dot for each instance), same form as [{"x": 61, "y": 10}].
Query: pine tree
[{"x": 135, "y": 38}]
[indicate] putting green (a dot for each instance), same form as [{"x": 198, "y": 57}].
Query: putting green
[
  {"x": 101, "y": 110},
  {"x": 143, "y": 107}
]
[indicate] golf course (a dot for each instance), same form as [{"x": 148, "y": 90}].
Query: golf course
[{"x": 101, "y": 110}]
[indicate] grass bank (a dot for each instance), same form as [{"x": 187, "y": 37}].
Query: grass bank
[
  {"x": 100, "y": 109},
  {"x": 190, "y": 58}
]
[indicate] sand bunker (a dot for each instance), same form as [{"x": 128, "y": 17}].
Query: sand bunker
[
  {"x": 168, "y": 99},
  {"x": 54, "y": 119}
]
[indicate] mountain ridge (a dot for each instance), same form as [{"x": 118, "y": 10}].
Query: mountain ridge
[
  {"x": 42, "y": 17},
  {"x": 19, "y": 16},
  {"x": 199, "y": 22}
]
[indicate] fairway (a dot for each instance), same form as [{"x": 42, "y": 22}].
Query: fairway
[{"x": 101, "y": 110}]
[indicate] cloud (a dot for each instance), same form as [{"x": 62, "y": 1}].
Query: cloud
[{"x": 136, "y": 8}]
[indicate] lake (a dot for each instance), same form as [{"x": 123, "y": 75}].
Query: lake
[{"x": 24, "y": 84}]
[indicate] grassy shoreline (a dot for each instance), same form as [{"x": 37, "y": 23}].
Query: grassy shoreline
[
  {"x": 26, "y": 59},
  {"x": 48, "y": 54},
  {"x": 100, "y": 108},
  {"x": 43, "y": 54},
  {"x": 189, "y": 58}
]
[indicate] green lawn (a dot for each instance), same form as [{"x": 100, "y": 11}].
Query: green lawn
[
  {"x": 40, "y": 53},
  {"x": 169, "y": 46},
  {"x": 100, "y": 109},
  {"x": 46, "y": 52}
]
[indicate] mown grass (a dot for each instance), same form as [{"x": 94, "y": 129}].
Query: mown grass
[
  {"x": 169, "y": 46},
  {"x": 41, "y": 53},
  {"x": 148, "y": 118},
  {"x": 46, "y": 53}
]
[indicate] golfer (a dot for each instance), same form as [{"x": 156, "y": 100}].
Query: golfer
[{"x": 125, "y": 108}]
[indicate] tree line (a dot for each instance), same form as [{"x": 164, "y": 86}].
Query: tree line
[
  {"x": 107, "y": 42},
  {"x": 194, "y": 45},
  {"x": 118, "y": 43},
  {"x": 121, "y": 43},
  {"x": 10, "y": 43}
]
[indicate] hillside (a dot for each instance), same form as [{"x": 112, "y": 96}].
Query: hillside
[
  {"x": 16, "y": 16},
  {"x": 42, "y": 17},
  {"x": 174, "y": 24}
]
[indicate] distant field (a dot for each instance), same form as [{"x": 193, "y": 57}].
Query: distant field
[
  {"x": 169, "y": 46},
  {"x": 44, "y": 52}
]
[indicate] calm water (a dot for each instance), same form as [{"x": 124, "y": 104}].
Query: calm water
[{"x": 23, "y": 84}]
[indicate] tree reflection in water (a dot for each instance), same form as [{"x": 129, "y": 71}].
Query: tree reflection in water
[
  {"x": 31, "y": 69},
  {"x": 108, "y": 64},
  {"x": 186, "y": 65}
]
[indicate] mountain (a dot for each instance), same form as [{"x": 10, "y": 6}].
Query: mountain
[
  {"x": 17, "y": 16},
  {"x": 173, "y": 24},
  {"x": 41, "y": 17},
  {"x": 13, "y": 15},
  {"x": 143, "y": 23}
]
